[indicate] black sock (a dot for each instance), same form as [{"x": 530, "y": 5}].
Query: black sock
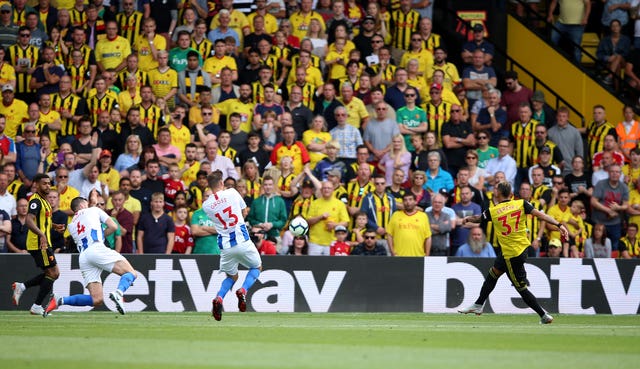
[
  {"x": 489, "y": 284},
  {"x": 531, "y": 300},
  {"x": 35, "y": 281},
  {"x": 45, "y": 289}
]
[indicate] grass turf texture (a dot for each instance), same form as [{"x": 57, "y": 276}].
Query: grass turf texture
[{"x": 270, "y": 340}]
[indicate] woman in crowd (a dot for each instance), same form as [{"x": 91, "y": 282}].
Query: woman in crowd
[
  {"x": 418, "y": 179},
  {"x": 316, "y": 35},
  {"x": 315, "y": 139},
  {"x": 396, "y": 158},
  {"x": 131, "y": 156},
  {"x": 476, "y": 174},
  {"x": 432, "y": 144},
  {"x": 598, "y": 245}
]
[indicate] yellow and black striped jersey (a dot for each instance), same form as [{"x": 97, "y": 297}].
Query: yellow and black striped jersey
[
  {"x": 152, "y": 117},
  {"x": 78, "y": 17},
  {"x": 204, "y": 47},
  {"x": 402, "y": 26},
  {"x": 40, "y": 208},
  {"x": 437, "y": 116},
  {"x": 96, "y": 105},
  {"x": 141, "y": 76},
  {"x": 308, "y": 95},
  {"x": 72, "y": 104},
  {"x": 88, "y": 56},
  {"x": 130, "y": 26},
  {"x": 27, "y": 56},
  {"x": 596, "y": 134},
  {"x": 523, "y": 138},
  {"x": 20, "y": 16}
]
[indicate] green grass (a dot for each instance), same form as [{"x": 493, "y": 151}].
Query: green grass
[{"x": 261, "y": 340}]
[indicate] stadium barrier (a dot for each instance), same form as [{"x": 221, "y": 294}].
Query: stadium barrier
[{"x": 169, "y": 283}]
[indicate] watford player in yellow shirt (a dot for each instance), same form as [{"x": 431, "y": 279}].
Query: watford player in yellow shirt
[{"x": 510, "y": 223}]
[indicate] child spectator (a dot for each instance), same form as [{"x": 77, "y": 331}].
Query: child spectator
[
  {"x": 360, "y": 225},
  {"x": 576, "y": 228},
  {"x": 598, "y": 245},
  {"x": 269, "y": 130},
  {"x": 172, "y": 185},
  {"x": 340, "y": 247},
  {"x": 337, "y": 59},
  {"x": 183, "y": 238}
]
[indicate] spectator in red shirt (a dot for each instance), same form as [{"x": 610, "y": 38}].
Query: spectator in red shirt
[
  {"x": 183, "y": 243},
  {"x": 340, "y": 247},
  {"x": 264, "y": 246}
]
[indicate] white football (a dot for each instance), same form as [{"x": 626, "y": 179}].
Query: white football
[{"x": 298, "y": 226}]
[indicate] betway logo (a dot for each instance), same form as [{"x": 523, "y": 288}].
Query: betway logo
[
  {"x": 570, "y": 274},
  {"x": 165, "y": 277}
]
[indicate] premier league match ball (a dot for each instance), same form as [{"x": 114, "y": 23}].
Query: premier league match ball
[{"x": 298, "y": 226}]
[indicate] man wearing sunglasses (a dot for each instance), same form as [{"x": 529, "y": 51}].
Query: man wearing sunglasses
[{"x": 370, "y": 246}]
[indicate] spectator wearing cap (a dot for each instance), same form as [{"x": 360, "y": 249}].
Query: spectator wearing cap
[
  {"x": 541, "y": 140},
  {"x": 14, "y": 110},
  {"x": 567, "y": 138},
  {"x": 457, "y": 139},
  {"x": 477, "y": 76},
  {"x": 363, "y": 40},
  {"x": 544, "y": 162},
  {"x": 438, "y": 111},
  {"x": 513, "y": 96},
  {"x": 8, "y": 30},
  {"x": 478, "y": 43},
  {"x": 554, "y": 249},
  {"x": 541, "y": 111},
  {"x": 340, "y": 246},
  {"x": 108, "y": 175}
]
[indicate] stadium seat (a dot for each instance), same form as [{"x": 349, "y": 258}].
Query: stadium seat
[{"x": 590, "y": 41}]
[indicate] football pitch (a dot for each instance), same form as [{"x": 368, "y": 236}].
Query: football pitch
[{"x": 300, "y": 340}]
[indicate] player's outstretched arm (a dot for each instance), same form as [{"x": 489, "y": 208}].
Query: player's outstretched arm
[
  {"x": 551, "y": 221},
  {"x": 472, "y": 219}
]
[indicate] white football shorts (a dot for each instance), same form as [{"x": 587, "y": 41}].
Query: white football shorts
[
  {"x": 244, "y": 254},
  {"x": 95, "y": 259}
]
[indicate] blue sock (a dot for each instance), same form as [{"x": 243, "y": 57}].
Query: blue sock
[
  {"x": 78, "y": 300},
  {"x": 126, "y": 281},
  {"x": 253, "y": 274},
  {"x": 226, "y": 286}
]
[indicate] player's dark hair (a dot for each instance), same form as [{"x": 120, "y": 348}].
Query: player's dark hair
[
  {"x": 40, "y": 176},
  {"x": 75, "y": 203},
  {"x": 214, "y": 179}
]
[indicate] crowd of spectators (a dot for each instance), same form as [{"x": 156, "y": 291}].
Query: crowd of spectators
[{"x": 347, "y": 115}]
